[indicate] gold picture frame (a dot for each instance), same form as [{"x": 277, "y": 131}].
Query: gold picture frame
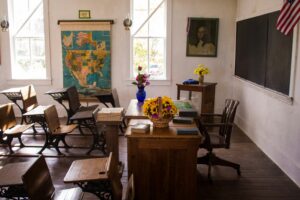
[{"x": 84, "y": 14}]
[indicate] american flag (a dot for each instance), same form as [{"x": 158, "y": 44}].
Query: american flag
[{"x": 289, "y": 16}]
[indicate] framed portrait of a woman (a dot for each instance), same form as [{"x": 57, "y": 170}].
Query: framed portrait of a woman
[{"x": 202, "y": 37}]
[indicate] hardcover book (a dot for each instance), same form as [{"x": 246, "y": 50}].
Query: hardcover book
[
  {"x": 187, "y": 131},
  {"x": 183, "y": 120},
  {"x": 188, "y": 112}
]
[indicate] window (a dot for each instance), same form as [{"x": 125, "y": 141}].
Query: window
[
  {"x": 28, "y": 39},
  {"x": 149, "y": 38}
]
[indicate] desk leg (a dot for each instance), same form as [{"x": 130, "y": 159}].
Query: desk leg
[
  {"x": 112, "y": 140},
  {"x": 102, "y": 189},
  {"x": 178, "y": 93},
  {"x": 98, "y": 140},
  {"x": 46, "y": 144}
]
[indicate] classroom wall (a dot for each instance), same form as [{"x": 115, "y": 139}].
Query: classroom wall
[
  {"x": 181, "y": 66},
  {"x": 270, "y": 120}
]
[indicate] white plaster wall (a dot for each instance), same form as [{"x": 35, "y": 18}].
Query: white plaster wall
[
  {"x": 181, "y": 66},
  {"x": 273, "y": 124}
]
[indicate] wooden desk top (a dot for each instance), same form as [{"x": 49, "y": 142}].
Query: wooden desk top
[
  {"x": 88, "y": 170},
  {"x": 83, "y": 115},
  {"x": 11, "y": 174},
  {"x": 39, "y": 110},
  {"x": 56, "y": 91},
  {"x": 11, "y": 90},
  {"x": 170, "y": 132},
  {"x": 135, "y": 110},
  {"x": 195, "y": 87}
]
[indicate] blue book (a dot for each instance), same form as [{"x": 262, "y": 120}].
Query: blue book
[
  {"x": 189, "y": 112},
  {"x": 183, "y": 120},
  {"x": 187, "y": 131}
]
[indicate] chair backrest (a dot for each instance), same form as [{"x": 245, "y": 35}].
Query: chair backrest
[
  {"x": 52, "y": 119},
  {"x": 114, "y": 177},
  {"x": 130, "y": 190},
  {"x": 29, "y": 98},
  {"x": 116, "y": 98},
  {"x": 73, "y": 100},
  {"x": 7, "y": 117},
  {"x": 37, "y": 181},
  {"x": 228, "y": 116}
]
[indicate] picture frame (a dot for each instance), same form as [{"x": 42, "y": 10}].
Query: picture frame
[
  {"x": 202, "y": 37},
  {"x": 84, "y": 14}
]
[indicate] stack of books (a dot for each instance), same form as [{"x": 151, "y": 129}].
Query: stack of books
[
  {"x": 110, "y": 114},
  {"x": 140, "y": 128}
]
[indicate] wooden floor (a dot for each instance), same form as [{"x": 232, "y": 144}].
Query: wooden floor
[{"x": 261, "y": 179}]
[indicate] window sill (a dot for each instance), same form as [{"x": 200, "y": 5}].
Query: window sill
[
  {"x": 152, "y": 82},
  {"x": 21, "y": 82}
]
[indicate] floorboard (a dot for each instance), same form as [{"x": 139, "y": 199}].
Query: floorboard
[{"x": 261, "y": 179}]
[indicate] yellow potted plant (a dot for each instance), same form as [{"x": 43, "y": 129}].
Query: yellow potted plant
[
  {"x": 160, "y": 111},
  {"x": 201, "y": 70}
]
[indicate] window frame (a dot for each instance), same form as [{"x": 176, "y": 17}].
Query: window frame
[
  {"x": 168, "y": 48},
  {"x": 48, "y": 79}
]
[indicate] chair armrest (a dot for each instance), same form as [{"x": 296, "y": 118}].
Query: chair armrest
[
  {"x": 211, "y": 114},
  {"x": 217, "y": 124}
]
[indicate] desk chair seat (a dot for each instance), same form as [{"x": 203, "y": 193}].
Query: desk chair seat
[
  {"x": 55, "y": 131},
  {"x": 221, "y": 139},
  {"x": 9, "y": 128},
  {"x": 38, "y": 184}
]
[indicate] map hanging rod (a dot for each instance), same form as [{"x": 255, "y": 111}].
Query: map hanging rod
[{"x": 110, "y": 21}]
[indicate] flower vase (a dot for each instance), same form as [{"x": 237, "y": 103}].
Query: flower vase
[
  {"x": 141, "y": 94},
  {"x": 201, "y": 79}
]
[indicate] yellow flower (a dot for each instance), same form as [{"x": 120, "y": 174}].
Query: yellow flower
[
  {"x": 151, "y": 107},
  {"x": 201, "y": 70}
]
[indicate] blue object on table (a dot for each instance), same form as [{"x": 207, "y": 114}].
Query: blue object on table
[
  {"x": 187, "y": 131},
  {"x": 190, "y": 81}
]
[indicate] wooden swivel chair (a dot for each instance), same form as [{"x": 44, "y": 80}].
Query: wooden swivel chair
[
  {"x": 55, "y": 131},
  {"x": 38, "y": 184},
  {"x": 221, "y": 139},
  {"x": 9, "y": 129}
]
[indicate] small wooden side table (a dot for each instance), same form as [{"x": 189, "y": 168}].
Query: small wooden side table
[{"x": 208, "y": 94}]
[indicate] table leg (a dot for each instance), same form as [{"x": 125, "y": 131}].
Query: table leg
[{"x": 178, "y": 93}]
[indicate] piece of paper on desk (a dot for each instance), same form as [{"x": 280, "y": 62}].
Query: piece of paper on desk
[{"x": 140, "y": 128}]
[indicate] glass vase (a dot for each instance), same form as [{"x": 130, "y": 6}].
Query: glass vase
[
  {"x": 201, "y": 79},
  {"x": 141, "y": 94}
]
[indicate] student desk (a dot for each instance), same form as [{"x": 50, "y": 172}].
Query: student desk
[
  {"x": 208, "y": 94},
  {"x": 91, "y": 175},
  {"x": 11, "y": 184}
]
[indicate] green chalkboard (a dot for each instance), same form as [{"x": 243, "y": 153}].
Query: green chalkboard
[{"x": 263, "y": 54}]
